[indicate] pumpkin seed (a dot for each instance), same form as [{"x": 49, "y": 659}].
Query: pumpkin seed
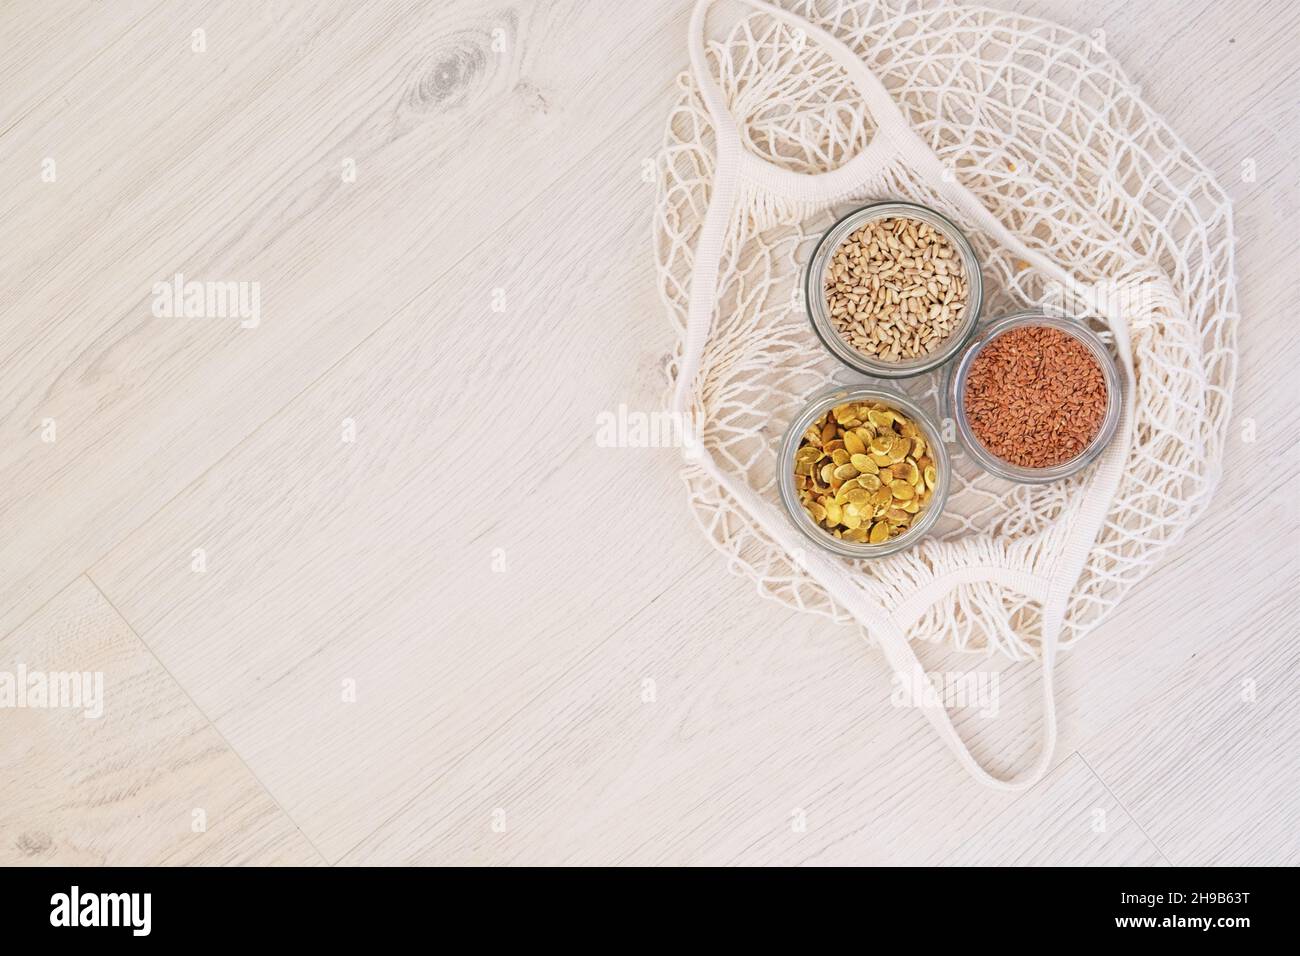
[{"x": 862, "y": 473}]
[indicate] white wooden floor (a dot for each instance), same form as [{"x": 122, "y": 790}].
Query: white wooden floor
[{"x": 431, "y": 644}]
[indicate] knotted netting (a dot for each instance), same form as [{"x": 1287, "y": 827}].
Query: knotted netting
[{"x": 1074, "y": 194}]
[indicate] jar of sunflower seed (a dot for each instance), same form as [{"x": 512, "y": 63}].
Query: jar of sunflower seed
[
  {"x": 893, "y": 289},
  {"x": 863, "y": 471}
]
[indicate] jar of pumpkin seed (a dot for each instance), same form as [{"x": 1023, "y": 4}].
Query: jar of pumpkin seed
[{"x": 863, "y": 471}]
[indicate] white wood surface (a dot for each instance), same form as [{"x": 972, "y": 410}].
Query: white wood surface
[
  {"x": 495, "y": 588},
  {"x": 148, "y": 781}
]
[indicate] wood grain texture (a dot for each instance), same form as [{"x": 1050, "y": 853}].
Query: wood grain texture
[
  {"x": 433, "y": 644},
  {"x": 1070, "y": 819},
  {"x": 123, "y": 788},
  {"x": 227, "y": 165},
  {"x": 757, "y": 722},
  {"x": 415, "y": 509}
]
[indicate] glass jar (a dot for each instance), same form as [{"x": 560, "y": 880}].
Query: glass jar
[
  {"x": 956, "y": 395},
  {"x": 823, "y": 402},
  {"x": 814, "y": 285}
]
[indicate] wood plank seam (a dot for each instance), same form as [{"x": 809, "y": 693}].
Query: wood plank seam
[{"x": 215, "y": 729}]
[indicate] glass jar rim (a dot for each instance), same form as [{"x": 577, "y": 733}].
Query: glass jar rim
[
  {"x": 815, "y": 297},
  {"x": 819, "y": 404},
  {"x": 955, "y": 394}
]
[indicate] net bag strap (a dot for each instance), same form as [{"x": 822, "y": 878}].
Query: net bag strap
[{"x": 893, "y": 139}]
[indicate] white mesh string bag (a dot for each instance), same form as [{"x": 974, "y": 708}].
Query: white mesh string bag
[{"x": 1071, "y": 190}]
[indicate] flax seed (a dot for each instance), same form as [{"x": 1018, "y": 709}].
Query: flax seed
[{"x": 1035, "y": 396}]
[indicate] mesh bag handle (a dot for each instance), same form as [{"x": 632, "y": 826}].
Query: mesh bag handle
[{"x": 893, "y": 138}]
